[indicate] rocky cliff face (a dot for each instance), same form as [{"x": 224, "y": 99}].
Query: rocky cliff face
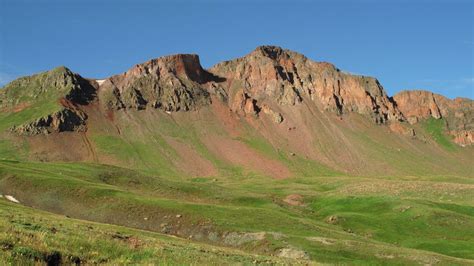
[
  {"x": 267, "y": 81},
  {"x": 56, "y": 97},
  {"x": 458, "y": 113},
  {"x": 276, "y": 76},
  {"x": 171, "y": 83},
  {"x": 60, "y": 121}
]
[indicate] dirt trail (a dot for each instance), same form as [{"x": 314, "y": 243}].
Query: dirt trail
[{"x": 90, "y": 148}]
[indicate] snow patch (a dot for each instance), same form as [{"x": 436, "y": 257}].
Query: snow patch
[
  {"x": 12, "y": 199},
  {"x": 100, "y": 81},
  {"x": 168, "y": 112}
]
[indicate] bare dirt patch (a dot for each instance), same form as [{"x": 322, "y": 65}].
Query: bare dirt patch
[
  {"x": 20, "y": 107},
  {"x": 238, "y": 153},
  {"x": 64, "y": 146},
  {"x": 226, "y": 117},
  {"x": 191, "y": 162},
  {"x": 294, "y": 200},
  {"x": 322, "y": 240},
  {"x": 292, "y": 253}
]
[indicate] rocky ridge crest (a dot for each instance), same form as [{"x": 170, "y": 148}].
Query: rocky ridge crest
[
  {"x": 170, "y": 83},
  {"x": 279, "y": 76},
  {"x": 60, "y": 90},
  {"x": 267, "y": 81}
]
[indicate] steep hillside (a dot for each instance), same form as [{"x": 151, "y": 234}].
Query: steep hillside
[
  {"x": 45, "y": 103},
  {"x": 269, "y": 154},
  {"x": 272, "y": 112}
]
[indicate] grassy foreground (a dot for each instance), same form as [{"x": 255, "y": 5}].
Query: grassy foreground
[
  {"x": 28, "y": 235},
  {"x": 331, "y": 219}
]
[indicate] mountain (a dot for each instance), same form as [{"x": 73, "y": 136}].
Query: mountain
[
  {"x": 273, "y": 136},
  {"x": 292, "y": 106}
]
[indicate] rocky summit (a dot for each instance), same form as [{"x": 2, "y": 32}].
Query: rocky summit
[
  {"x": 269, "y": 80},
  {"x": 271, "y": 158}
]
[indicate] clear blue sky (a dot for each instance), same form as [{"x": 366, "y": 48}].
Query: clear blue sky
[{"x": 405, "y": 44}]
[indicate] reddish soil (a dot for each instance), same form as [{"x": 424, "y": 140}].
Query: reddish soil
[
  {"x": 191, "y": 162},
  {"x": 226, "y": 117},
  {"x": 238, "y": 153},
  {"x": 64, "y": 146},
  {"x": 294, "y": 200},
  {"x": 21, "y": 107}
]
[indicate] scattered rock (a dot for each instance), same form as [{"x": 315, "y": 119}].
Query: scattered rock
[
  {"x": 385, "y": 256},
  {"x": 322, "y": 240},
  {"x": 402, "y": 129},
  {"x": 292, "y": 253},
  {"x": 213, "y": 237},
  {"x": 333, "y": 219},
  {"x": 237, "y": 239},
  {"x": 275, "y": 116},
  {"x": 294, "y": 200},
  {"x": 405, "y": 208}
]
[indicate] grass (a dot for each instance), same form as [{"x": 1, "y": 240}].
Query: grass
[
  {"x": 417, "y": 227},
  {"x": 27, "y": 115},
  {"x": 408, "y": 223},
  {"x": 39, "y": 93},
  {"x": 436, "y": 128},
  {"x": 297, "y": 164},
  {"x": 28, "y": 235},
  {"x": 405, "y": 212}
]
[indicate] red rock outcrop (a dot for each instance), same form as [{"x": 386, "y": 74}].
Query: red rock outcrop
[
  {"x": 458, "y": 113},
  {"x": 463, "y": 137},
  {"x": 273, "y": 74},
  {"x": 172, "y": 83},
  {"x": 402, "y": 129}
]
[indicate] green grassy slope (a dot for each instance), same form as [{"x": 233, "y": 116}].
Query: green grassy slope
[
  {"x": 436, "y": 129},
  {"x": 407, "y": 200},
  {"x": 29, "y": 98},
  {"x": 397, "y": 220},
  {"x": 28, "y": 235}
]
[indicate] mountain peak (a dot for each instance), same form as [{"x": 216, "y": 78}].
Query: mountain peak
[
  {"x": 270, "y": 79},
  {"x": 182, "y": 65},
  {"x": 273, "y": 75},
  {"x": 60, "y": 69},
  {"x": 270, "y": 51}
]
